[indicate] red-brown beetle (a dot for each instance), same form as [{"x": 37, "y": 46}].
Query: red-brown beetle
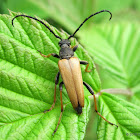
[{"x": 69, "y": 69}]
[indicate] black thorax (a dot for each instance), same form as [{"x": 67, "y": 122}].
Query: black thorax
[{"x": 65, "y": 52}]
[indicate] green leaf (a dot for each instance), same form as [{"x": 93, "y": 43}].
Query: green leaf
[
  {"x": 115, "y": 47},
  {"x": 136, "y": 99},
  {"x": 120, "y": 112},
  {"x": 27, "y": 83}
]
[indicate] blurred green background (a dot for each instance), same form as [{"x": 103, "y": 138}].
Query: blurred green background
[{"x": 68, "y": 15}]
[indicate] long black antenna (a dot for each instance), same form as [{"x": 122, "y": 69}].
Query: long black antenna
[
  {"x": 40, "y": 22},
  {"x": 88, "y": 18}
]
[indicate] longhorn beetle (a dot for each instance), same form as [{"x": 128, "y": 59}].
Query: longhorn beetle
[{"x": 69, "y": 69}]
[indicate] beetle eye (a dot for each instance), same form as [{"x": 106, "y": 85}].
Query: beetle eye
[{"x": 59, "y": 44}]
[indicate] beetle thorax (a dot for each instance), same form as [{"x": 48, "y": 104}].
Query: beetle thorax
[{"x": 65, "y": 52}]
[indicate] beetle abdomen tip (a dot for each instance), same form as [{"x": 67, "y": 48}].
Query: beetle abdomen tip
[{"x": 79, "y": 109}]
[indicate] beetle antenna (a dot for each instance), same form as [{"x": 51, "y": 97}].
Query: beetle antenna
[
  {"x": 88, "y": 18},
  {"x": 39, "y": 21}
]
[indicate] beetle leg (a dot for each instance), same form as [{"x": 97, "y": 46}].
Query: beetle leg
[
  {"x": 56, "y": 82},
  {"x": 74, "y": 48},
  {"x": 53, "y": 54},
  {"x": 86, "y": 63},
  {"x": 92, "y": 92},
  {"x": 60, "y": 88}
]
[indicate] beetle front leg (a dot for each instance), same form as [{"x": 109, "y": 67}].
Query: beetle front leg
[
  {"x": 53, "y": 54},
  {"x": 86, "y": 63},
  {"x": 74, "y": 48},
  {"x": 60, "y": 88},
  {"x": 56, "y": 82},
  {"x": 92, "y": 92}
]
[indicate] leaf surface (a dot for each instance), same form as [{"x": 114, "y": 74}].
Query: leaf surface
[
  {"x": 27, "y": 83},
  {"x": 115, "y": 47},
  {"x": 122, "y": 113}
]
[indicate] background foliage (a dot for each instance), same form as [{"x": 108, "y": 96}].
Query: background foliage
[{"x": 113, "y": 45}]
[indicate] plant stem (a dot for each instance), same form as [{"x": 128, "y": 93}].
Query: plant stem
[{"x": 127, "y": 92}]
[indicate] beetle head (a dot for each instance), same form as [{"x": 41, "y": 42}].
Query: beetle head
[{"x": 64, "y": 43}]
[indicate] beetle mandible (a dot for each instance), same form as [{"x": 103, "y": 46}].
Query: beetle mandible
[{"x": 69, "y": 69}]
